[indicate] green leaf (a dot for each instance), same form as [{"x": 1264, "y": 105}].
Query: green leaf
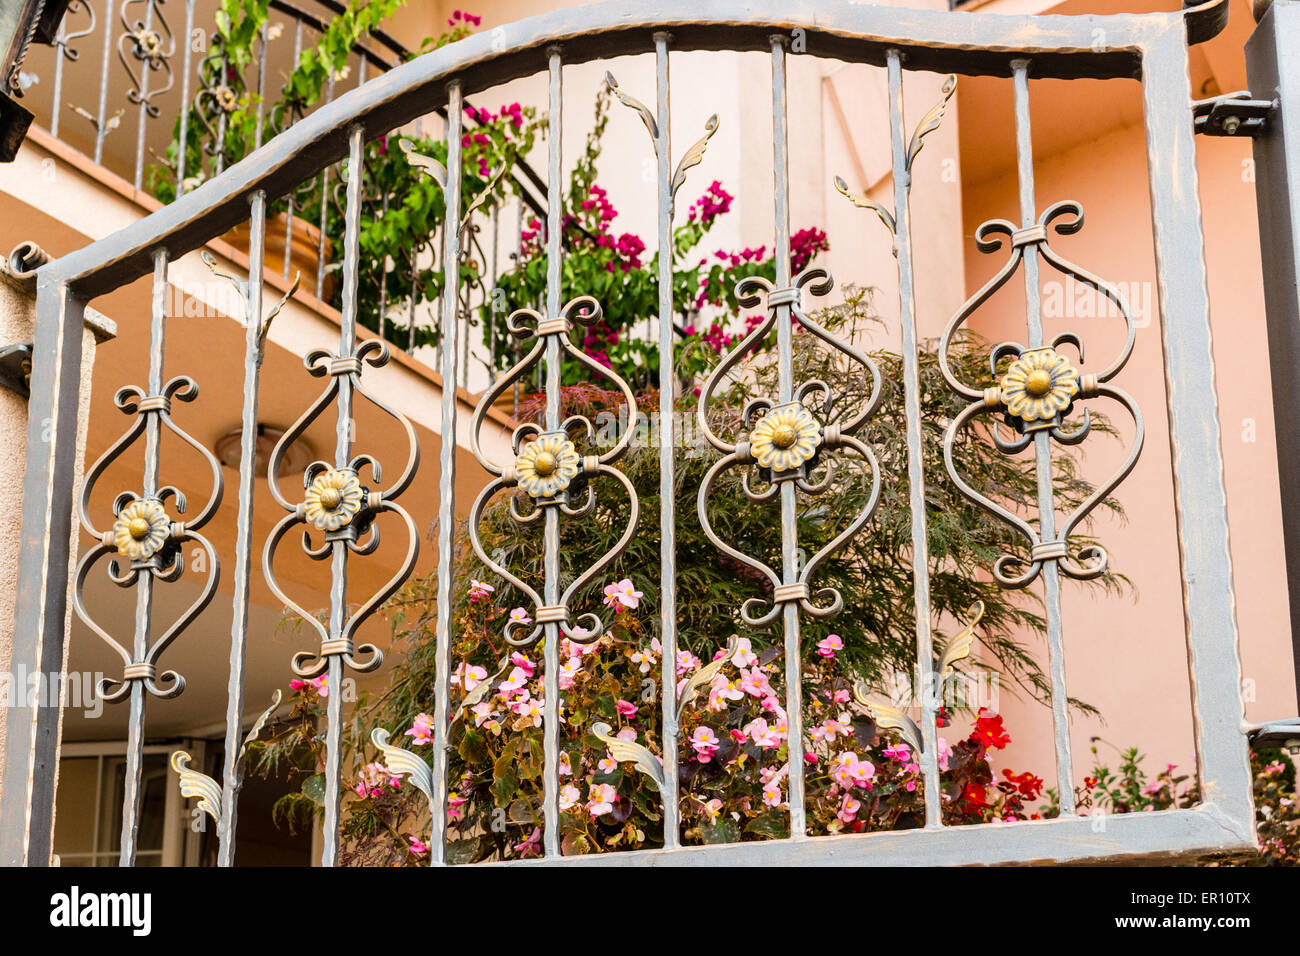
[{"x": 314, "y": 788}]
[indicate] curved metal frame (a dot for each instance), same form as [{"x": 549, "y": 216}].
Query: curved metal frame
[{"x": 1151, "y": 46}]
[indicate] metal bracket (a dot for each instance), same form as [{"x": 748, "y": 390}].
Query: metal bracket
[
  {"x": 1276, "y": 733},
  {"x": 1232, "y": 114},
  {"x": 16, "y": 368}
]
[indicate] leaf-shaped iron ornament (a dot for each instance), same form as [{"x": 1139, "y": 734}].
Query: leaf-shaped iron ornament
[
  {"x": 889, "y": 717},
  {"x": 931, "y": 120},
  {"x": 692, "y": 157},
  {"x": 631, "y": 102},
  {"x": 787, "y": 443},
  {"x": 628, "y": 751},
  {"x": 866, "y": 202},
  {"x": 704, "y": 676},
  {"x": 959, "y": 647},
  {"x": 400, "y": 762},
  {"x": 548, "y": 468},
  {"x": 1036, "y": 393},
  {"x": 427, "y": 163},
  {"x": 196, "y": 784}
]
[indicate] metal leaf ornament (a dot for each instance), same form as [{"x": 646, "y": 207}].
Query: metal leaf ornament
[
  {"x": 398, "y": 762},
  {"x": 961, "y": 644},
  {"x": 197, "y": 784},
  {"x": 625, "y": 751},
  {"x": 888, "y": 717},
  {"x": 704, "y": 676}
]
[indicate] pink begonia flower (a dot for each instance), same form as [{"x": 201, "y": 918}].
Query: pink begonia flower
[
  {"x": 622, "y": 595},
  {"x": 1153, "y": 788},
  {"x": 722, "y": 690},
  {"x": 829, "y": 645},
  {"x": 739, "y": 736},
  {"x": 564, "y": 768},
  {"x": 469, "y": 675},
  {"x": 532, "y": 846},
  {"x": 569, "y": 670},
  {"x": 454, "y": 803},
  {"x": 686, "y": 662},
  {"x": 841, "y": 696},
  {"x": 297, "y": 684},
  {"x": 645, "y": 659},
  {"x": 478, "y": 590},
  {"x": 705, "y": 742},
  {"x": 523, "y": 663},
  {"x": 909, "y": 786},
  {"x": 626, "y": 707},
  {"x": 863, "y": 772},
  {"x": 755, "y": 683},
  {"x": 844, "y": 768},
  {"x": 849, "y": 809},
  {"x": 607, "y": 765},
  {"x": 627, "y": 733},
  {"x": 421, "y": 729},
  {"x": 483, "y": 712},
  {"x": 516, "y": 681},
  {"x": 764, "y": 736},
  {"x": 520, "y": 616},
  {"x": 418, "y": 847},
  {"x": 569, "y": 796},
  {"x": 713, "y": 809},
  {"x": 900, "y": 752},
  {"x": 744, "y": 656},
  {"x": 944, "y": 751},
  {"x": 600, "y": 799},
  {"x": 530, "y": 709},
  {"x": 829, "y": 729},
  {"x": 771, "y": 704}
]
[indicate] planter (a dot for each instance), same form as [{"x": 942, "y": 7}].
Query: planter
[{"x": 304, "y": 256}]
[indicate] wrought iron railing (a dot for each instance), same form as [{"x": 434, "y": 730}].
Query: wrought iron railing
[{"x": 552, "y": 475}]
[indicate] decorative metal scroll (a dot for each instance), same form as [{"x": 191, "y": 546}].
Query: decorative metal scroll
[
  {"x": 1036, "y": 393},
  {"x": 784, "y": 441},
  {"x": 549, "y": 470},
  {"x": 339, "y": 506},
  {"x": 148, "y": 41},
  {"x": 144, "y": 536},
  {"x": 195, "y": 783}
]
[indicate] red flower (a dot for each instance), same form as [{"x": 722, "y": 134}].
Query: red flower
[
  {"x": 989, "y": 731},
  {"x": 1029, "y": 786},
  {"x": 974, "y": 797}
]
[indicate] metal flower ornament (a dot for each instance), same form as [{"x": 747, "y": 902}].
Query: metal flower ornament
[
  {"x": 1035, "y": 394},
  {"x": 549, "y": 469}
]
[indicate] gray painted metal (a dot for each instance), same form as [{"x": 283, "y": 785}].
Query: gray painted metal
[
  {"x": 1151, "y": 45},
  {"x": 1273, "y": 70}
]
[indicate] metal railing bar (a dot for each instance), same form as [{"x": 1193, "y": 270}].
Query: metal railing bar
[
  {"x": 667, "y": 441},
  {"x": 915, "y": 440},
  {"x": 446, "y": 487},
  {"x": 101, "y": 123},
  {"x": 551, "y": 530},
  {"x": 1043, "y": 447},
  {"x": 240, "y": 601},
  {"x": 144, "y": 583},
  {"x": 183, "y": 137},
  {"x": 343, "y": 438}
]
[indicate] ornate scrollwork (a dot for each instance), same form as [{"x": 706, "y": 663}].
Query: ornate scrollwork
[
  {"x": 1035, "y": 394},
  {"x": 787, "y": 443},
  {"x": 548, "y": 468},
  {"x": 337, "y": 503},
  {"x": 149, "y": 41},
  {"x": 144, "y": 535}
]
